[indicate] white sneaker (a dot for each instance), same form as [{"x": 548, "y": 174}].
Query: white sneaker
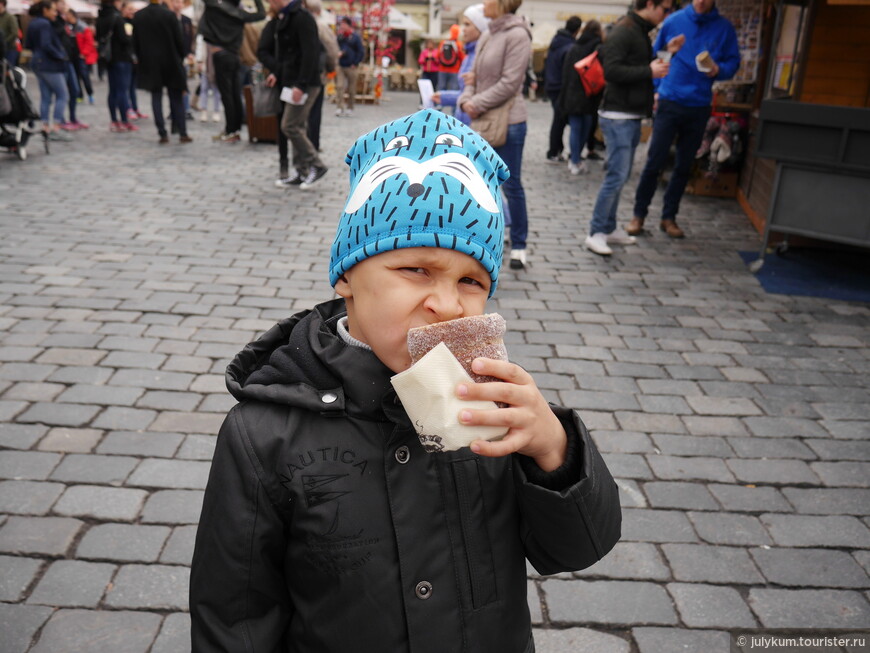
[
  {"x": 348, "y": 113},
  {"x": 293, "y": 179},
  {"x": 619, "y": 237},
  {"x": 314, "y": 173},
  {"x": 216, "y": 116},
  {"x": 598, "y": 243},
  {"x": 339, "y": 112},
  {"x": 518, "y": 259},
  {"x": 203, "y": 117},
  {"x": 577, "y": 168}
]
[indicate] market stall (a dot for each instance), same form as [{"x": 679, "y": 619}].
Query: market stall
[{"x": 818, "y": 65}]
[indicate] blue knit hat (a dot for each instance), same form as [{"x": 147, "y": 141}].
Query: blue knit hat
[{"x": 425, "y": 180}]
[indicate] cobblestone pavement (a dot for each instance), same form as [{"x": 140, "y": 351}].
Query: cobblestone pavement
[{"x": 735, "y": 421}]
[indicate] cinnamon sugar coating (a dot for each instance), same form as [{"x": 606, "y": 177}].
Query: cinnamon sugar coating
[{"x": 467, "y": 338}]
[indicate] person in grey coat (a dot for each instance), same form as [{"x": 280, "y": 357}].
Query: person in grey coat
[{"x": 159, "y": 47}]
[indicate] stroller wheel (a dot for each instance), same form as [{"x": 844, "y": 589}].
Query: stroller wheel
[{"x": 21, "y": 152}]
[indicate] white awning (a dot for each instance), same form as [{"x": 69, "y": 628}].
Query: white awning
[
  {"x": 397, "y": 20},
  {"x": 18, "y": 7},
  {"x": 83, "y": 8}
]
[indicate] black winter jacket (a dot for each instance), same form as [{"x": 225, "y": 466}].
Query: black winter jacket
[
  {"x": 559, "y": 46},
  {"x": 572, "y": 98},
  {"x": 299, "y": 48},
  {"x": 326, "y": 527},
  {"x": 110, "y": 21},
  {"x": 223, "y": 22},
  {"x": 625, "y": 56},
  {"x": 159, "y": 48}
]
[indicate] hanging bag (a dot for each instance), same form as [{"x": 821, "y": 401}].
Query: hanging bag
[
  {"x": 104, "y": 45},
  {"x": 266, "y": 100},
  {"x": 5, "y": 97},
  {"x": 591, "y": 74},
  {"x": 492, "y": 124}
]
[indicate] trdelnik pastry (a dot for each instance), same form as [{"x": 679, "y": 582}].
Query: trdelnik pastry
[
  {"x": 441, "y": 356},
  {"x": 467, "y": 338}
]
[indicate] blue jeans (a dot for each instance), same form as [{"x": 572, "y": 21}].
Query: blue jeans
[
  {"x": 72, "y": 85},
  {"x": 134, "y": 104},
  {"x": 448, "y": 81},
  {"x": 120, "y": 74},
  {"x": 84, "y": 74},
  {"x": 581, "y": 125},
  {"x": 672, "y": 121},
  {"x": 621, "y": 137},
  {"x": 512, "y": 154},
  {"x": 52, "y": 84}
]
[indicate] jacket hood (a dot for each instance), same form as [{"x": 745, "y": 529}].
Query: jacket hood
[
  {"x": 303, "y": 362},
  {"x": 561, "y": 38},
  {"x": 588, "y": 37},
  {"x": 701, "y": 19},
  {"x": 509, "y": 21},
  {"x": 454, "y": 32}
]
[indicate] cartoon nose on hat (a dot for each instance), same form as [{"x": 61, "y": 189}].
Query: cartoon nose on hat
[{"x": 415, "y": 190}]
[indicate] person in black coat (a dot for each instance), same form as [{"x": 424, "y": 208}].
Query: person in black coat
[
  {"x": 267, "y": 55},
  {"x": 297, "y": 72},
  {"x": 119, "y": 66},
  {"x": 160, "y": 49},
  {"x": 222, "y": 27},
  {"x": 559, "y": 46},
  {"x": 578, "y": 109}
]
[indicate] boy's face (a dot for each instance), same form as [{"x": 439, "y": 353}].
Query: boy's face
[{"x": 400, "y": 289}]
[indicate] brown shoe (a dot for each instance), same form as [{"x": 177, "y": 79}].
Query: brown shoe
[
  {"x": 635, "y": 227},
  {"x": 163, "y": 140},
  {"x": 671, "y": 229},
  {"x": 185, "y": 139}
]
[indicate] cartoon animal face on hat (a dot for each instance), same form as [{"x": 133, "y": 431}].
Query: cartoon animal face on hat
[{"x": 425, "y": 180}]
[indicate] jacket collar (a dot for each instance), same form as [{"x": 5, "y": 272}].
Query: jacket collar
[
  {"x": 303, "y": 362},
  {"x": 701, "y": 19},
  {"x": 506, "y": 22},
  {"x": 642, "y": 22}
]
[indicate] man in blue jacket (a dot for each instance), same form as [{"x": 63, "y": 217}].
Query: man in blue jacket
[
  {"x": 352, "y": 53},
  {"x": 684, "y": 99}
]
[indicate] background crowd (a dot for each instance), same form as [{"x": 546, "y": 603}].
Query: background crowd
[{"x": 480, "y": 70}]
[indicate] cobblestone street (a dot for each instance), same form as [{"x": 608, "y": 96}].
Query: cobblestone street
[{"x": 735, "y": 421}]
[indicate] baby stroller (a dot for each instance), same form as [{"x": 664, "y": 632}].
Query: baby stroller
[{"x": 17, "y": 126}]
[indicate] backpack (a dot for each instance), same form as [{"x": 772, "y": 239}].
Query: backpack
[
  {"x": 448, "y": 54},
  {"x": 591, "y": 74}
]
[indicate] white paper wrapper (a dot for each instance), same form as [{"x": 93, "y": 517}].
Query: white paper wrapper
[
  {"x": 700, "y": 65},
  {"x": 428, "y": 393}
]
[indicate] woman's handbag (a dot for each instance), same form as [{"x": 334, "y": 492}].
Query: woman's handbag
[
  {"x": 493, "y": 124},
  {"x": 266, "y": 99}
]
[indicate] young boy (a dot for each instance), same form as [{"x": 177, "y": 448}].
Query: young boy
[{"x": 326, "y": 527}]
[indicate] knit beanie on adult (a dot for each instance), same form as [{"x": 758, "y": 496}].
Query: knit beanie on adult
[
  {"x": 425, "y": 180},
  {"x": 474, "y": 13}
]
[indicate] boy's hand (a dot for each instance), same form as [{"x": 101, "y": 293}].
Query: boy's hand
[{"x": 534, "y": 430}]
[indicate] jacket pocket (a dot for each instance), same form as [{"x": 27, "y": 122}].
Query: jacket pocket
[{"x": 475, "y": 534}]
